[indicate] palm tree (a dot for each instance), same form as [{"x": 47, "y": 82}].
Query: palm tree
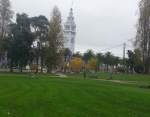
[
  {"x": 100, "y": 57},
  {"x": 130, "y": 60},
  {"x": 88, "y": 55},
  {"x": 108, "y": 59}
]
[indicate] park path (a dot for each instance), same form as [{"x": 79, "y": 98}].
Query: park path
[
  {"x": 117, "y": 81},
  {"x": 62, "y": 75},
  {"x": 58, "y": 75}
]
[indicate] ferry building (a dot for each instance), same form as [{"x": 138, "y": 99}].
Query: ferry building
[{"x": 70, "y": 32}]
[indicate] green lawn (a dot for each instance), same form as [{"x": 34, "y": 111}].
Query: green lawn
[{"x": 50, "y": 96}]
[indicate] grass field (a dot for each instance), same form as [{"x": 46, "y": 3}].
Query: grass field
[{"x": 48, "y": 95}]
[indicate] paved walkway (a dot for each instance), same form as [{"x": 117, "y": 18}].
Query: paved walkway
[
  {"x": 117, "y": 81},
  {"x": 62, "y": 75}
]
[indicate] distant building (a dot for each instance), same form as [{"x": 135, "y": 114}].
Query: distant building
[{"x": 70, "y": 32}]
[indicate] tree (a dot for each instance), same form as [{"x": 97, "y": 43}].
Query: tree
[
  {"x": 40, "y": 26},
  {"x": 121, "y": 69},
  {"x": 65, "y": 66},
  {"x": 100, "y": 57},
  {"x": 123, "y": 62},
  {"x": 142, "y": 41},
  {"x": 88, "y": 67},
  {"x": 108, "y": 59},
  {"x": 67, "y": 53},
  {"x": 11, "y": 49},
  {"x": 93, "y": 63},
  {"x": 34, "y": 67},
  {"x": 54, "y": 51},
  {"x": 20, "y": 42},
  {"x": 77, "y": 54},
  {"x": 116, "y": 61},
  {"x": 6, "y": 15},
  {"x": 138, "y": 66},
  {"x": 88, "y": 55},
  {"x": 76, "y": 64},
  {"x": 130, "y": 60}
]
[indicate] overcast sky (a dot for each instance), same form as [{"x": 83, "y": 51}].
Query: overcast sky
[{"x": 100, "y": 24}]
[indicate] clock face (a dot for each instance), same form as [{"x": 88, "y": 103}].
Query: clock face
[{"x": 66, "y": 39}]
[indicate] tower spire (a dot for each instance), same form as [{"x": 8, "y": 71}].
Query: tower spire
[{"x": 72, "y": 4}]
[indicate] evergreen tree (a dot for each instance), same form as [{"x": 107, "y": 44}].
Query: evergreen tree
[
  {"x": 54, "y": 52},
  {"x": 40, "y": 26},
  {"x": 20, "y": 41}
]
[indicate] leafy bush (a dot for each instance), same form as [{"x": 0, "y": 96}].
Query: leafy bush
[
  {"x": 138, "y": 69},
  {"x": 121, "y": 69},
  {"x": 34, "y": 67}
]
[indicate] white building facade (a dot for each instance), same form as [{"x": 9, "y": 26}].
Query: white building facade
[{"x": 70, "y": 32}]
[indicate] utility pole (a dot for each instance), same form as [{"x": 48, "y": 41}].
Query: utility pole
[{"x": 124, "y": 50}]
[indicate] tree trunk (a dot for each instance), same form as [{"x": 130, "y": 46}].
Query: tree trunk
[
  {"x": 11, "y": 69},
  {"x": 64, "y": 70},
  {"x": 37, "y": 63},
  {"x": 11, "y": 65},
  {"x": 20, "y": 68},
  {"x": 107, "y": 68},
  {"x": 48, "y": 69},
  {"x": 42, "y": 59}
]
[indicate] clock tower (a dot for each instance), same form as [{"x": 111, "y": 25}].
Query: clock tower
[{"x": 70, "y": 32}]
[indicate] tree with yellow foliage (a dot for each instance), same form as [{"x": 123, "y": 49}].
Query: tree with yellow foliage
[
  {"x": 65, "y": 66},
  {"x": 76, "y": 64},
  {"x": 34, "y": 68},
  {"x": 92, "y": 64},
  {"x": 88, "y": 67}
]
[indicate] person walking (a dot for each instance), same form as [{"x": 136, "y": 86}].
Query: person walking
[{"x": 84, "y": 73}]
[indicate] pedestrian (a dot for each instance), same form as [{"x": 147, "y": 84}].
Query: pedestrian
[{"x": 84, "y": 73}]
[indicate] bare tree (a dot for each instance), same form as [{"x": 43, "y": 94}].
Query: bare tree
[
  {"x": 142, "y": 41},
  {"x": 6, "y": 15}
]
